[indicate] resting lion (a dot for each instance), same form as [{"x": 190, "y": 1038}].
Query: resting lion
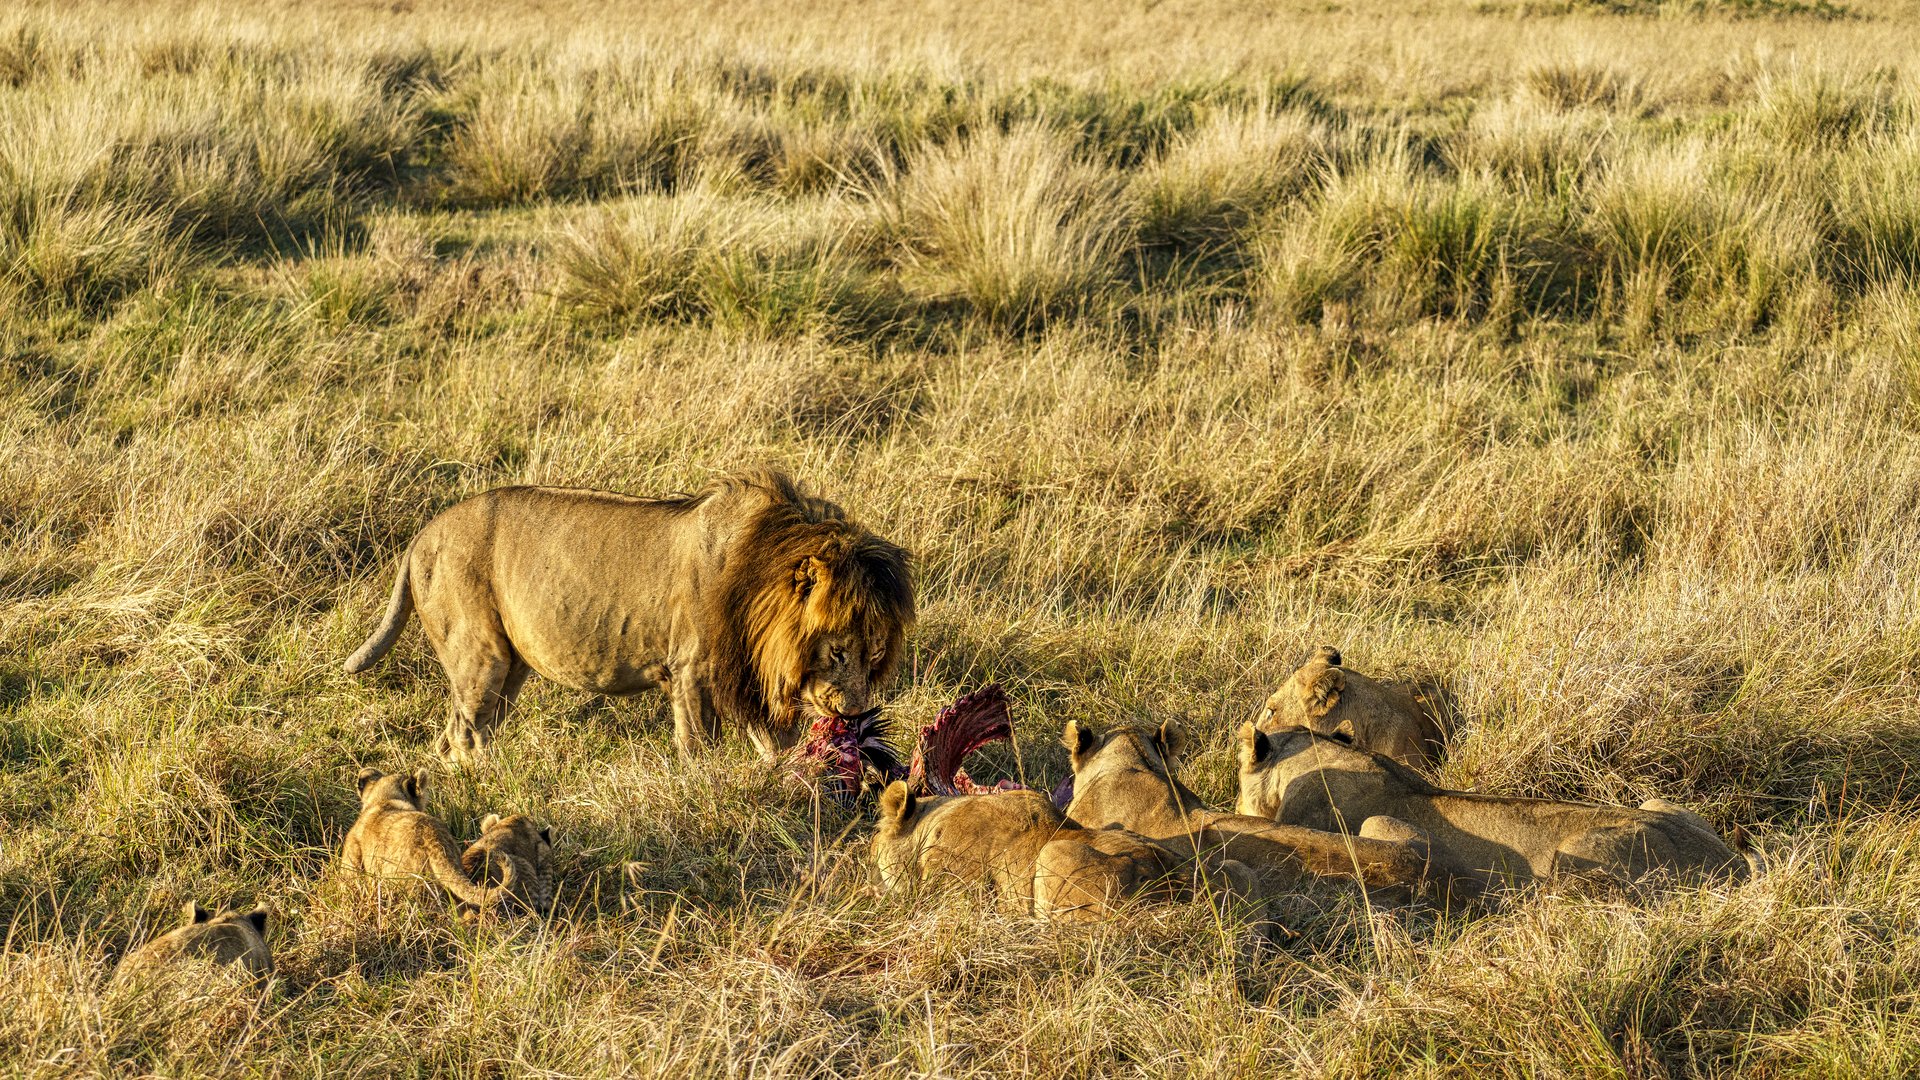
[
  {"x": 1302, "y": 778},
  {"x": 227, "y": 938},
  {"x": 394, "y": 838},
  {"x": 1126, "y": 778},
  {"x": 1325, "y": 697},
  {"x": 512, "y": 852},
  {"x": 748, "y": 601},
  {"x": 1019, "y": 843}
]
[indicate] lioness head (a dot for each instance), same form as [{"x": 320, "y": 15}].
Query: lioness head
[
  {"x": 1156, "y": 749},
  {"x": 894, "y": 853},
  {"x": 821, "y": 618},
  {"x": 1269, "y": 761}
]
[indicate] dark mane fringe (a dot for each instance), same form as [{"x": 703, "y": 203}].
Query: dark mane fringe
[{"x": 800, "y": 569}]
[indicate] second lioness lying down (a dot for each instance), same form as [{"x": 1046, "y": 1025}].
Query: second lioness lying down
[
  {"x": 1298, "y": 777},
  {"x": 1128, "y": 778},
  {"x": 1020, "y": 844}
]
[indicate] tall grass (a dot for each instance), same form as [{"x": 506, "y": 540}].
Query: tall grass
[{"x": 1559, "y": 355}]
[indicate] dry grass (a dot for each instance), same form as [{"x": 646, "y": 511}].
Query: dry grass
[{"x": 1563, "y": 353}]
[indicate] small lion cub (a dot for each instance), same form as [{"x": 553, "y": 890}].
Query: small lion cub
[
  {"x": 394, "y": 838},
  {"x": 226, "y": 938},
  {"x": 513, "y": 853}
]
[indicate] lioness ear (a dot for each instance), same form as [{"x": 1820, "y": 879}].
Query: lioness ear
[
  {"x": 546, "y": 837},
  {"x": 365, "y": 777},
  {"x": 1172, "y": 740},
  {"x": 489, "y": 822},
  {"x": 258, "y": 917},
  {"x": 1078, "y": 738},
  {"x": 415, "y": 784},
  {"x": 1254, "y": 746},
  {"x": 896, "y": 803},
  {"x": 195, "y": 913},
  {"x": 1330, "y": 655}
]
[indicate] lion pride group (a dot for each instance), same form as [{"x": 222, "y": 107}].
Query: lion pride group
[{"x": 756, "y": 605}]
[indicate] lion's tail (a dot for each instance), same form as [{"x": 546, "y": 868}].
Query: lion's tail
[{"x": 398, "y": 608}]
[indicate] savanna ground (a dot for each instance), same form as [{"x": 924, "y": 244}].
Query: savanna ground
[{"x": 1564, "y": 353}]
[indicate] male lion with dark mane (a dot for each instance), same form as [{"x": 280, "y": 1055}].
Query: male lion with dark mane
[{"x": 749, "y": 600}]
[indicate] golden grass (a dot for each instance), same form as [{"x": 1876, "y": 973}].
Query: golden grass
[{"x": 1561, "y": 353}]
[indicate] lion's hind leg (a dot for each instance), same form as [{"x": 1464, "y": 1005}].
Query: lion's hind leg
[{"x": 486, "y": 677}]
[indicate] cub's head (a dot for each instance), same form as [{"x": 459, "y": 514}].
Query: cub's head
[
  {"x": 377, "y": 788},
  {"x": 519, "y": 835}
]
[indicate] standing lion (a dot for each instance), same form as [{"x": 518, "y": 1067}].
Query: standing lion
[{"x": 750, "y": 601}]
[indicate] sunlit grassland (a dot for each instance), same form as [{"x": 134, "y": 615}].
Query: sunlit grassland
[{"x": 1566, "y": 354}]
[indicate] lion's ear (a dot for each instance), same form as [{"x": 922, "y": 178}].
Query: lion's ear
[
  {"x": 415, "y": 785},
  {"x": 897, "y": 802},
  {"x": 1078, "y": 738},
  {"x": 1328, "y": 655},
  {"x": 258, "y": 917},
  {"x": 488, "y": 822},
  {"x": 1172, "y": 741},
  {"x": 1254, "y": 746},
  {"x": 365, "y": 777},
  {"x": 546, "y": 836},
  {"x": 1320, "y": 691},
  {"x": 808, "y": 574},
  {"x": 195, "y": 913}
]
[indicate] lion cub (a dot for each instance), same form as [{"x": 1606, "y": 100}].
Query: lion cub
[
  {"x": 513, "y": 853},
  {"x": 1326, "y": 697},
  {"x": 1019, "y": 843},
  {"x": 1299, "y": 777},
  {"x": 394, "y": 838},
  {"x": 227, "y": 938}
]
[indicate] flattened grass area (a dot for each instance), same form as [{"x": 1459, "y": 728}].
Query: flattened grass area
[{"x": 1563, "y": 354}]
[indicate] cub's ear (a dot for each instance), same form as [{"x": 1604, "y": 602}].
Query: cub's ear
[
  {"x": 416, "y": 784},
  {"x": 546, "y": 836},
  {"x": 489, "y": 822},
  {"x": 258, "y": 917},
  {"x": 195, "y": 913},
  {"x": 1078, "y": 738},
  {"x": 365, "y": 777},
  {"x": 897, "y": 802},
  {"x": 1328, "y": 655},
  {"x": 1254, "y": 746},
  {"x": 1172, "y": 741}
]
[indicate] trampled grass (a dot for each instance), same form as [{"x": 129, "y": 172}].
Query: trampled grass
[{"x": 1561, "y": 353}]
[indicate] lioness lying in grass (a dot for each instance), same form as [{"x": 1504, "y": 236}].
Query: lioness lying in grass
[
  {"x": 1126, "y": 778},
  {"x": 1298, "y": 777},
  {"x": 1019, "y": 843}
]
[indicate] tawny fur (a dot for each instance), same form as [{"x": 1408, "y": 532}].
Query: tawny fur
[
  {"x": 1325, "y": 696},
  {"x": 1126, "y": 778},
  {"x": 513, "y": 853},
  {"x": 1020, "y": 844},
  {"x": 395, "y": 839},
  {"x": 231, "y": 937},
  {"x": 749, "y": 601},
  {"x": 1299, "y": 777}
]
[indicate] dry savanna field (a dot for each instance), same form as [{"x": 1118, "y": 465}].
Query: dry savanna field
[{"x": 1563, "y": 352}]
